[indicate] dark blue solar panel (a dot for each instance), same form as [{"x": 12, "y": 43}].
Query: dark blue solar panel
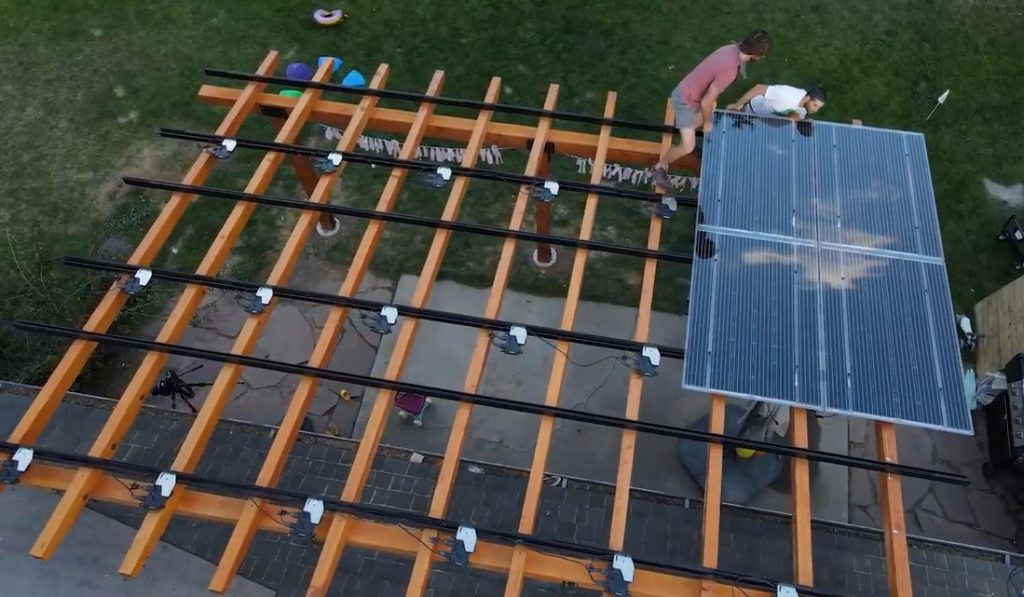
[{"x": 827, "y": 288}]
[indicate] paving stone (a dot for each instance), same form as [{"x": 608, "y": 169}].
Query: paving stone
[
  {"x": 958, "y": 450},
  {"x": 991, "y": 514},
  {"x": 953, "y": 500},
  {"x": 862, "y": 488}
]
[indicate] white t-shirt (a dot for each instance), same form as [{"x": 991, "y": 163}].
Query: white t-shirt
[{"x": 779, "y": 100}]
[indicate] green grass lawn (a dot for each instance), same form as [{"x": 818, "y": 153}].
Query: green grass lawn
[{"x": 86, "y": 84}]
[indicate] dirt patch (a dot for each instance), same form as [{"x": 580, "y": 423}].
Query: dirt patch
[{"x": 153, "y": 159}]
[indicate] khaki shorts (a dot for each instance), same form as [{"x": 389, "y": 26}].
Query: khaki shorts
[{"x": 686, "y": 116}]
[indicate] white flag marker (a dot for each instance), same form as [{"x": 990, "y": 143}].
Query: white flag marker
[{"x": 942, "y": 100}]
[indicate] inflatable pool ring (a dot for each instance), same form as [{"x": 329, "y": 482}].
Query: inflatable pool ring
[
  {"x": 290, "y": 93},
  {"x": 328, "y": 18},
  {"x": 300, "y": 71},
  {"x": 335, "y": 65}
]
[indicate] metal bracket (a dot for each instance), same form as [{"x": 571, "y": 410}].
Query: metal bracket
[
  {"x": 381, "y": 322},
  {"x": 462, "y": 545},
  {"x": 159, "y": 491},
  {"x": 512, "y": 341},
  {"x": 137, "y": 282},
  {"x": 307, "y": 519},
  {"x": 667, "y": 208},
  {"x": 547, "y": 192},
  {"x": 647, "y": 364},
  {"x": 438, "y": 178},
  {"x": 256, "y": 302},
  {"x": 11, "y": 470},
  {"x": 222, "y": 151},
  {"x": 328, "y": 163},
  {"x": 618, "y": 576}
]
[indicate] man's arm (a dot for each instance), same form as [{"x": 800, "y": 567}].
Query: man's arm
[
  {"x": 755, "y": 91},
  {"x": 707, "y": 105}
]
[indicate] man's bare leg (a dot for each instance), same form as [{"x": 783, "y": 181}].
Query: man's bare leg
[{"x": 688, "y": 141}]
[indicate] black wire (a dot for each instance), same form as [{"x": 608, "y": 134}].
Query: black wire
[
  {"x": 569, "y": 358},
  {"x": 588, "y": 566},
  {"x": 131, "y": 488},
  {"x": 422, "y": 542},
  {"x": 276, "y": 519}
]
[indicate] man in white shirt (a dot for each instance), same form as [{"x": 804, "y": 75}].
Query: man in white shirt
[{"x": 781, "y": 100}]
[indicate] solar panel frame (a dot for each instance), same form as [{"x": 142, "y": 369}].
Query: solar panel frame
[{"x": 828, "y": 287}]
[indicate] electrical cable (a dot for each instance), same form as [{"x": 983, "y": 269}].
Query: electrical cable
[
  {"x": 412, "y": 534},
  {"x": 568, "y": 358},
  {"x": 400, "y": 218},
  {"x": 501, "y": 403},
  {"x": 276, "y": 519}
]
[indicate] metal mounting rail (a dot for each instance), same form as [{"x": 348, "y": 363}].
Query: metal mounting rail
[
  {"x": 440, "y": 100},
  {"x": 356, "y": 212},
  {"x": 386, "y": 514},
  {"x": 368, "y": 305},
  {"x": 422, "y": 166},
  {"x": 500, "y": 403}
]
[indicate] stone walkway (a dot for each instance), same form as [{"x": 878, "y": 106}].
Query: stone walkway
[{"x": 847, "y": 561}]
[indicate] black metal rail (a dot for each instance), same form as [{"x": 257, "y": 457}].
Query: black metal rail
[
  {"x": 386, "y": 216},
  {"x": 422, "y": 166},
  {"x": 283, "y": 497},
  {"x": 500, "y": 403},
  {"x": 368, "y": 305},
  {"x": 440, "y": 100}
]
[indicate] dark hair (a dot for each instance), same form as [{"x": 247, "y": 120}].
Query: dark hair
[
  {"x": 816, "y": 92},
  {"x": 757, "y": 43}
]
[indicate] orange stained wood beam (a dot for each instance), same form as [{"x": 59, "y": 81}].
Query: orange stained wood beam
[
  {"x": 800, "y": 486},
  {"x": 534, "y": 483},
  {"x": 711, "y": 517},
  {"x": 363, "y": 460},
  {"x": 478, "y": 360},
  {"x": 50, "y": 395},
  {"x": 634, "y": 391},
  {"x": 284, "y": 438},
  {"x": 305, "y": 173},
  {"x": 897, "y": 556},
  {"x": 195, "y": 442},
  {"x": 128, "y": 406},
  {"x": 453, "y": 128},
  {"x": 373, "y": 535}
]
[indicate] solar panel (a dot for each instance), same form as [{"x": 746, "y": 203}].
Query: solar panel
[{"x": 822, "y": 282}]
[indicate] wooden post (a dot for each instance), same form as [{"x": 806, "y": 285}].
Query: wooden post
[
  {"x": 308, "y": 177},
  {"x": 800, "y": 486},
  {"x": 543, "y": 255}
]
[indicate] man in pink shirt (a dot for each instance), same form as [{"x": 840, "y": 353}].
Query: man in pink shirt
[{"x": 695, "y": 97}]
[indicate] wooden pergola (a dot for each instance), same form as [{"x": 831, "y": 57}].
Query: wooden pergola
[{"x": 337, "y": 530}]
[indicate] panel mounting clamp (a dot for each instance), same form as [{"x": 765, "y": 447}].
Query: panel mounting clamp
[
  {"x": 328, "y": 163},
  {"x": 618, "y": 576},
  {"x": 137, "y": 282},
  {"x": 439, "y": 178},
  {"x": 223, "y": 150},
  {"x": 512, "y": 341},
  {"x": 159, "y": 491},
  {"x": 547, "y": 192},
  {"x": 463, "y": 544},
  {"x": 256, "y": 302},
  {"x": 382, "y": 321},
  {"x": 307, "y": 518},
  {"x": 11, "y": 470}
]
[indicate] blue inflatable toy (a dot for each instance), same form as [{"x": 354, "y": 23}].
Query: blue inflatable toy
[
  {"x": 334, "y": 67},
  {"x": 298, "y": 70},
  {"x": 354, "y": 78}
]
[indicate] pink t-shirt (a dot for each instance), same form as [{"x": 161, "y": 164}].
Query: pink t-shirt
[{"x": 720, "y": 68}]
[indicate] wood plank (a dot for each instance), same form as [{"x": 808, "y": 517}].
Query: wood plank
[
  {"x": 897, "y": 556},
  {"x": 478, "y": 359},
  {"x": 217, "y": 398},
  {"x": 70, "y": 366},
  {"x": 711, "y": 516},
  {"x": 242, "y": 536},
  {"x": 999, "y": 323},
  {"x": 138, "y": 388},
  {"x": 534, "y": 483},
  {"x": 627, "y": 151},
  {"x": 800, "y": 487},
  {"x": 635, "y": 386}
]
